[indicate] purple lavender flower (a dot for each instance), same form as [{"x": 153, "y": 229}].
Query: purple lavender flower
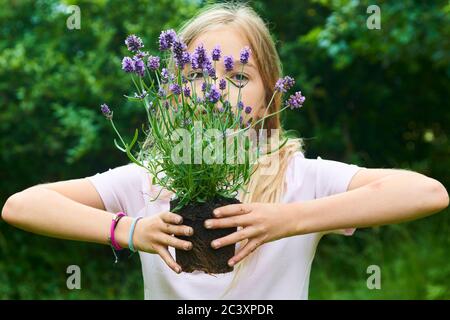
[
  {"x": 210, "y": 71},
  {"x": 187, "y": 92},
  {"x": 134, "y": 43},
  {"x": 200, "y": 100},
  {"x": 178, "y": 50},
  {"x": 279, "y": 85},
  {"x": 240, "y": 105},
  {"x": 295, "y": 101},
  {"x": 153, "y": 63},
  {"x": 139, "y": 66},
  {"x": 284, "y": 84},
  {"x": 183, "y": 79},
  {"x": 128, "y": 64},
  {"x": 245, "y": 55},
  {"x": 142, "y": 95},
  {"x": 166, "y": 39},
  {"x": 178, "y": 46},
  {"x": 216, "y": 53},
  {"x": 106, "y": 111},
  {"x": 141, "y": 54},
  {"x": 208, "y": 67},
  {"x": 221, "y": 109},
  {"x": 175, "y": 88},
  {"x": 213, "y": 95},
  {"x": 248, "y": 109},
  {"x": 289, "y": 82},
  {"x": 228, "y": 62},
  {"x": 222, "y": 84},
  {"x": 186, "y": 58},
  {"x": 199, "y": 57},
  {"x": 164, "y": 75},
  {"x": 161, "y": 93},
  {"x": 204, "y": 86}
]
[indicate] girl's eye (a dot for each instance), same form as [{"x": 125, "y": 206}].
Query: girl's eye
[
  {"x": 239, "y": 80},
  {"x": 195, "y": 75}
]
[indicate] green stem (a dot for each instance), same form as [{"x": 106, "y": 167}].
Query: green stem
[{"x": 114, "y": 127}]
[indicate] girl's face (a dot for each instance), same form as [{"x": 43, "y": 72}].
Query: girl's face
[{"x": 231, "y": 43}]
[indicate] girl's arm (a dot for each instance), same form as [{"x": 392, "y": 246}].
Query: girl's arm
[
  {"x": 47, "y": 212},
  {"x": 398, "y": 197},
  {"x": 395, "y": 198}
]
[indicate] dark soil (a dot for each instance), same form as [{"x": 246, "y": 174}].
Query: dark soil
[{"x": 202, "y": 256}]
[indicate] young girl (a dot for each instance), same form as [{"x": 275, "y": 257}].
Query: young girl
[{"x": 282, "y": 218}]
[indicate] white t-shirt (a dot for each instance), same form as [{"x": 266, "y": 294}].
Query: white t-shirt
[{"x": 281, "y": 269}]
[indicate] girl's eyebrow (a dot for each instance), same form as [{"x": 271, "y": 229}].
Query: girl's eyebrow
[
  {"x": 249, "y": 64},
  {"x": 236, "y": 62}
]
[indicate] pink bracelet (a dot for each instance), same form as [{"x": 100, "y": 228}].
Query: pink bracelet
[{"x": 114, "y": 223}]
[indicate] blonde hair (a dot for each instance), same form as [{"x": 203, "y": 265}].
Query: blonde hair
[{"x": 261, "y": 188}]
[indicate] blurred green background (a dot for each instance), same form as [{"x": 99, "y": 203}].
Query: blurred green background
[{"x": 376, "y": 98}]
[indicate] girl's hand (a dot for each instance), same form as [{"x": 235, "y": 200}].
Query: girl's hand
[
  {"x": 261, "y": 222},
  {"x": 154, "y": 234}
]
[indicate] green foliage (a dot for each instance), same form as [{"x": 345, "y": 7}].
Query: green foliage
[
  {"x": 413, "y": 261},
  {"x": 52, "y": 80},
  {"x": 376, "y": 98}
]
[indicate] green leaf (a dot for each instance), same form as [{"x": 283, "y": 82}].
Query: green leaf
[{"x": 118, "y": 147}]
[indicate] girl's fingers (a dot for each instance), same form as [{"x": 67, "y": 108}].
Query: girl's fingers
[
  {"x": 168, "y": 259},
  {"x": 233, "y": 238},
  {"x": 225, "y": 222},
  {"x": 245, "y": 251},
  {"x": 172, "y": 218},
  {"x": 232, "y": 210},
  {"x": 168, "y": 240},
  {"x": 178, "y": 230}
]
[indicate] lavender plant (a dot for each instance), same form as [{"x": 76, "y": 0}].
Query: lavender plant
[{"x": 198, "y": 126}]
